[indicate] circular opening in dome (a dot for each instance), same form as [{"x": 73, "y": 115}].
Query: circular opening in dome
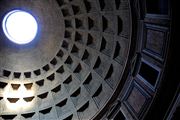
[{"x": 19, "y": 26}]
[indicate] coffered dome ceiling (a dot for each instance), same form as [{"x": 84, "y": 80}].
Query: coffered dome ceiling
[{"x": 73, "y": 66}]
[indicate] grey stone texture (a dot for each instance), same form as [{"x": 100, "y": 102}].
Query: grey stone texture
[{"x": 73, "y": 66}]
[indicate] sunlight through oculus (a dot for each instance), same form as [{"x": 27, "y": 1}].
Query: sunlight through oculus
[{"x": 20, "y": 27}]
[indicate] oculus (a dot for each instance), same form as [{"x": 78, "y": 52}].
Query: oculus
[{"x": 19, "y": 26}]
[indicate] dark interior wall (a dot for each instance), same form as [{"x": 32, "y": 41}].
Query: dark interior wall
[{"x": 152, "y": 87}]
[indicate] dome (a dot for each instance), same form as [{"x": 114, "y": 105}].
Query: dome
[{"x": 84, "y": 59}]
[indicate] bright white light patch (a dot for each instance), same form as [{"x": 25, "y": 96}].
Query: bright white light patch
[
  {"x": 19, "y": 26},
  {"x": 21, "y": 93}
]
